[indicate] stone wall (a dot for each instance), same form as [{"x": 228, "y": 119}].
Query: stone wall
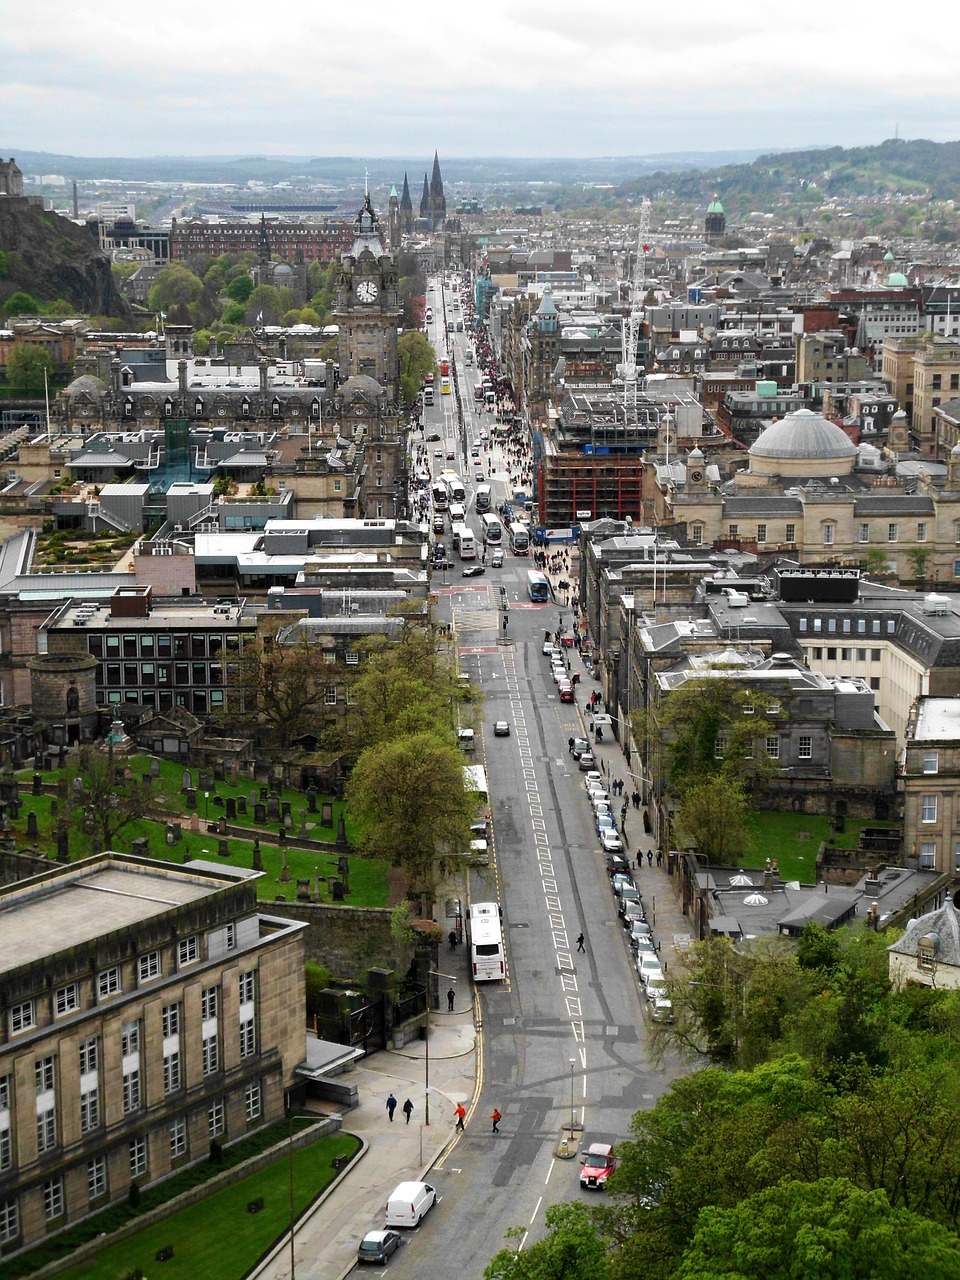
[{"x": 347, "y": 940}]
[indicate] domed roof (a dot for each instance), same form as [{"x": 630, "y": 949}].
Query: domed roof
[
  {"x": 715, "y": 206},
  {"x": 897, "y": 280},
  {"x": 695, "y": 454},
  {"x": 803, "y": 435},
  {"x": 87, "y": 384},
  {"x": 360, "y": 384},
  {"x": 888, "y": 256}
]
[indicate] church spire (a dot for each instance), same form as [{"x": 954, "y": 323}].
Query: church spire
[
  {"x": 425, "y": 199},
  {"x": 406, "y": 204}
]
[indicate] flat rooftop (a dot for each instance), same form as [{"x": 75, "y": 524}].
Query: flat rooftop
[
  {"x": 42, "y": 918},
  {"x": 938, "y": 720}
]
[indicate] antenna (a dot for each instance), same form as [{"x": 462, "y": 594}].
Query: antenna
[{"x": 366, "y": 182}]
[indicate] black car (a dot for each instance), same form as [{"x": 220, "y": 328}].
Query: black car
[
  {"x": 434, "y": 435},
  {"x": 473, "y": 571}
]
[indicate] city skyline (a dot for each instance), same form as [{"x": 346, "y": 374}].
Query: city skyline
[{"x": 111, "y": 81}]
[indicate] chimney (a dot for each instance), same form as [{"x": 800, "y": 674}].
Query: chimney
[
  {"x": 213, "y": 349},
  {"x": 182, "y": 377},
  {"x": 264, "y": 369}
]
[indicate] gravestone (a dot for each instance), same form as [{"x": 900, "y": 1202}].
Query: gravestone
[
  {"x": 206, "y": 781},
  {"x": 259, "y": 813},
  {"x": 173, "y": 833},
  {"x": 219, "y": 774},
  {"x": 341, "y": 830},
  {"x": 257, "y": 856},
  {"x": 54, "y": 807},
  {"x": 223, "y": 849},
  {"x": 231, "y": 808},
  {"x": 343, "y": 871},
  {"x": 326, "y": 814},
  {"x": 63, "y": 844},
  {"x": 195, "y": 823},
  {"x": 303, "y": 890},
  {"x": 32, "y": 829},
  {"x": 147, "y": 781},
  {"x": 233, "y": 773},
  {"x": 241, "y": 806},
  {"x": 222, "y": 826},
  {"x": 285, "y": 808},
  {"x": 273, "y": 806},
  {"x": 303, "y": 832},
  {"x": 217, "y": 801},
  {"x": 155, "y": 766},
  {"x": 38, "y": 784},
  {"x": 191, "y": 799},
  {"x": 263, "y": 793},
  {"x": 14, "y": 807},
  {"x": 285, "y": 870},
  {"x": 336, "y": 888},
  {"x": 253, "y": 798},
  {"x": 140, "y": 847},
  {"x": 287, "y": 822},
  {"x": 312, "y": 799},
  {"x": 186, "y": 780}
]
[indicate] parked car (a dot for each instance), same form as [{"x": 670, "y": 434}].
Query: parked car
[
  {"x": 610, "y": 841},
  {"x": 630, "y": 912},
  {"x": 587, "y": 762},
  {"x": 377, "y": 1246},
  {"x": 605, "y": 822},
  {"x": 655, "y": 987},
  {"x": 565, "y": 689},
  {"x": 593, "y": 775},
  {"x": 547, "y": 646},
  {"x": 648, "y": 966},
  {"x": 580, "y": 745},
  {"x": 629, "y": 893},
  {"x": 662, "y": 1010},
  {"x": 408, "y": 1202},
  {"x": 618, "y": 881},
  {"x": 616, "y": 865},
  {"x": 597, "y": 1165}
]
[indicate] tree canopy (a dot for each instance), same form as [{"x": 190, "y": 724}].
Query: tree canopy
[
  {"x": 417, "y": 359},
  {"x": 27, "y": 364}
]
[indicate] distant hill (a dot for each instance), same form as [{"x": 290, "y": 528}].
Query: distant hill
[
  {"x": 917, "y": 167},
  {"x": 53, "y": 259}
]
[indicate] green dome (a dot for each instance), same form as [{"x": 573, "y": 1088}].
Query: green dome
[
  {"x": 715, "y": 206},
  {"x": 897, "y": 280},
  {"x": 888, "y": 256}
]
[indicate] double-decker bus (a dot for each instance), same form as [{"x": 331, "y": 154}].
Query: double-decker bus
[
  {"x": 519, "y": 538},
  {"x": 483, "y": 498},
  {"x": 538, "y": 588},
  {"x": 488, "y": 963},
  {"x": 441, "y": 497},
  {"x": 492, "y": 530},
  {"x": 464, "y": 542},
  {"x": 478, "y": 392}
]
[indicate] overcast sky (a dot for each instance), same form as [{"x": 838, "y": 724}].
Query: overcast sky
[{"x": 520, "y": 78}]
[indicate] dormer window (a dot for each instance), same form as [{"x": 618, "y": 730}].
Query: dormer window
[
  {"x": 927, "y": 951},
  {"x": 198, "y": 409},
  {"x": 244, "y": 408},
  {"x": 168, "y": 408}
]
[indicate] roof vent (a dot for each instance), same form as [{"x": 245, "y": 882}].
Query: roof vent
[{"x": 935, "y": 605}]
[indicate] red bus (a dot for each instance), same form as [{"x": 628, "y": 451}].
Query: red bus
[{"x": 444, "y": 368}]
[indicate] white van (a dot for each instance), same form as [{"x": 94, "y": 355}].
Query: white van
[
  {"x": 496, "y": 558},
  {"x": 466, "y": 739},
  {"x": 408, "y": 1203}
]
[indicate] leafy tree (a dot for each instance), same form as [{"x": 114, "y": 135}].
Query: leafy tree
[
  {"x": 828, "y": 1228},
  {"x": 714, "y": 814},
  {"x": 265, "y": 306},
  {"x": 919, "y": 558},
  {"x": 409, "y": 804},
  {"x": 416, "y": 361},
  {"x": 3, "y": 264},
  {"x": 235, "y": 314},
  {"x": 240, "y": 288},
  {"x": 322, "y": 282},
  {"x": 571, "y": 1250},
  {"x": 176, "y": 285},
  {"x": 201, "y": 342},
  {"x": 101, "y": 805},
  {"x": 818, "y": 948},
  {"x": 309, "y": 316},
  {"x": 27, "y": 364},
  {"x": 22, "y": 304},
  {"x": 279, "y": 689},
  {"x": 876, "y": 561}
]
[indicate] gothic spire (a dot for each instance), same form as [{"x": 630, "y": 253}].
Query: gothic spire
[{"x": 405, "y": 202}]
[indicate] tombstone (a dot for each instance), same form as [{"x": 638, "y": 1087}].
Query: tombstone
[
  {"x": 233, "y": 773},
  {"x": 326, "y": 814},
  {"x": 14, "y": 807},
  {"x": 191, "y": 799},
  {"x": 222, "y": 826},
  {"x": 282, "y": 837},
  {"x": 48, "y": 763},
  {"x": 38, "y": 760},
  {"x": 127, "y": 773},
  {"x": 263, "y": 793},
  {"x": 284, "y": 870},
  {"x": 341, "y": 830},
  {"x": 63, "y": 844},
  {"x": 336, "y": 889},
  {"x": 195, "y": 823},
  {"x": 286, "y": 808},
  {"x": 219, "y": 773},
  {"x": 155, "y": 766},
  {"x": 840, "y": 823},
  {"x": 54, "y": 807},
  {"x": 223, "y": 849},
  {"x": 38, "y": 784},
  {"x": 287, "y": 822},
  {"x": 273, "y": 806},
  {"x": 206, "y": 781},
  {"x": 147, "y": 782},
  {"x": 257, "y": 856},
  {"x": 303, "y": 890},
  {"x": 173, "y": 833},
  {"x": 259, "y": 813},
  {"x": 343, "y": 871},
  {"x": 231, "y": 808},
  {"x": 217, "y": 801},
  {"x": 303, "y": 833},
  {"x": 312, "y": 799},
  {"x": 140, "y": 847},
  {"x": 32, "y": 829},
  {"x": 241, "y": 807},
  {"x": 253, "y": 798}
]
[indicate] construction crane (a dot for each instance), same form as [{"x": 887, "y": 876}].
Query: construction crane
[{"x": 632, "y": 321}]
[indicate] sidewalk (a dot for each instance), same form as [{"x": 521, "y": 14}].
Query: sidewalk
[{"x": 326, "y": 1241}]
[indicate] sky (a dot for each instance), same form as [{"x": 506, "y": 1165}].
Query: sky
[{"x": 498, "y": 78}]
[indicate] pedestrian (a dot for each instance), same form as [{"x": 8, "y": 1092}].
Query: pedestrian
[
  {"x": 649, "y": 857},
  {"x": 580, "y": 941},
  {"x": 659, "y": 858},
  {"x": 451, "y": 996},
  {"x": 570, "y": 745},
  {"x": 391, "y": 1107},
  {"x": 639, "y": 859},
  {"x": 461, "y": 1114},
  {"x": 452, "y": 939},
  {"x": 407, "y": 1109},
  {"x": 496, "y": 1117}
]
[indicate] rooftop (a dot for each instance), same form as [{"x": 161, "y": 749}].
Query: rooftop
[{"x": 938, "y": 720}]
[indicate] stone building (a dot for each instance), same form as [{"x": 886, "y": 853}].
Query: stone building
[
  {"x": 930, "y": 772},
  {"x": 149, "y": 1009}
]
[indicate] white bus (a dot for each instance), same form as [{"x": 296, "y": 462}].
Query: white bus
[
  {"x": 464, "y": 542},
  {"x": 483, "y": 498},
  {"x": 454, "y": 484},
  {"x": 492, "y": 530},
  {"x": 519, "y": 538},
  {"x": 487, "y": 959}
]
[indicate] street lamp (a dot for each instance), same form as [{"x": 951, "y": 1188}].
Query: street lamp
[
  {"x": 573, "y": 1113},
  {"x": 431, "y": 973}
]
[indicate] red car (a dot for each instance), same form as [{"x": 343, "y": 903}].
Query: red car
[
  {"x": 565, "y": 689},
  {"x": 597, "y": 1165}
]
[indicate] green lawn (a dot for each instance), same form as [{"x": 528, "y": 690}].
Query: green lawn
[
  {"x": 217, "y": 1236},
  {"x": 793, "y": 839},
  {"x": 368, "y": 879}
]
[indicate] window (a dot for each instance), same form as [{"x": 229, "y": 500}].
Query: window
[
  {"x": 864, "y": 535},
  {"x": 96, "y": 1178},
  {"x": 805, "y": 747},
  {"x": 211, "y": 1054},
  {"x": 330, "y": 697},
  {"x": 9, "y": 1221},
  {"x": 171, "y": 1020},
  {"x": 230, "y": 936},
  {"x": 875, "y": 655},
  {"x": 53, "y": 1198},
  {"x": 46, "y": 1130},
  {"x": 148, "y": 966},
  {"x": 861, "y": 655},
  {"x": 875, "y": 682},
  {"x": 719, "y": 746},
  {"x": 891, "y": 532},
  {"x": 89, "y": 1110},
  {"x": 43, "y": 1074},
  {"x": 178, "y": 1138},
  {"x": 130, "y": 1038},
  {"x": 188, "y": 951},
  {"x": 832, "y": 653},
  {"x": 790, "y": 533},
  {"x": 215, "y": 1124},
  {"x": 697, "y": 533},
  {"x": 928, "y": 809},
  {"x": 761, "y": 533},
  {"x": 209, "y": 1003},
  {"x": 247, "y": 986},
  {"x": 931, "y": 762},
  {"x": 66, "y": 999},
  {"x": 22, "y": 1017},
  {"x": 251, "y": 1097},
  {"x": 171, "y": 1072},
  {"x": 749, "y": 709},
  {"x": 733, "y": 531},
  {"x": 928, "y": 855},
  {"x": 772, "y": 745},
  {"x": 138, "y": 1157},
  {"x": 248, "y": 1038},
  {"x": 131, "y": 1091},
  {"x": 828, "y": 535},
  {"x": 922, "y": 531},
  {"x": 108, "y": 982}
]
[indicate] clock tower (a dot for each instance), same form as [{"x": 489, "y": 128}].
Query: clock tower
[{"x": 368, "y": 307}]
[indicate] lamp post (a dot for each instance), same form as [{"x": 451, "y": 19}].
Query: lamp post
[
  {"x": 431, "y": 973},
  {"x": 573, "y": 1113}
]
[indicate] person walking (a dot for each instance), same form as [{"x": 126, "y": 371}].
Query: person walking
[
  {"x": 391, "y": 1107},
  {"x": 496, "y": 1117},
  {"x": 659, "y": 858},
  {"x": 580, "y": 946},
  {"x": 407, "y": 1109},
  {"x": 451, "y": 996},
  {"x": 649, "y": 857},
  {"x": 461, "y": 1114}
]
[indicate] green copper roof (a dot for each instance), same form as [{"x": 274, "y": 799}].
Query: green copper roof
[{"x": 715, "y": 206}]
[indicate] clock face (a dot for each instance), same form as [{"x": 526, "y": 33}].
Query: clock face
[
  {"x": 367, "y": 291},
  {"x": 696, "y": 476}
]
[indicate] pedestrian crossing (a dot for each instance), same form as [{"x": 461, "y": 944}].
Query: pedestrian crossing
[{"x": 472, "y": 619}]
